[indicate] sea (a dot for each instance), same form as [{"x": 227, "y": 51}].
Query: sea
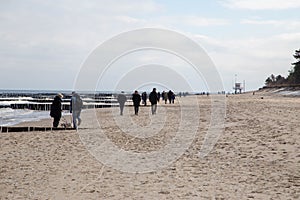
[{"x": 10, "y": 117}]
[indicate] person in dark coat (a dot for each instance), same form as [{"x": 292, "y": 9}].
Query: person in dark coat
[
  {"x": 136, "y": 98},
  {"x": 170, "y": 94},
  {"x": 153, "y": 98},
  {"x": 56, "y": 110},
  {"x": 122, "y": 99},
  {"x": 144, "y": 98},
  {"x": 173, "y": 97}
]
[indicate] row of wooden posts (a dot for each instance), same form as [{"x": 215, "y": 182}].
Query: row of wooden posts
[{"x": 44, "y": 102}]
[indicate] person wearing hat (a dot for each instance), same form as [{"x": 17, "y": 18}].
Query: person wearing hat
[{"x": 56, "y": 109}]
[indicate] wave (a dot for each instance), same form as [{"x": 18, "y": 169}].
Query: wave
[{"x": 9, "y": 117}]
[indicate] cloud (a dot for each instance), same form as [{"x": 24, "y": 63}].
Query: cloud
[
  {"x": 192, "y": 20},
  {"x": 129, "y": 20},
  {"x": 52, "y": 38},
  {"x": 103, "y": 6},
  {"x": 253, "y": 59},
  {"x": 41, "y": 39},
  {"x": 201, "y": 21},
  {"x": 274, "y": 46},
  {"x": 283, "y": 24},
  {"x": 261, "y": 4}
]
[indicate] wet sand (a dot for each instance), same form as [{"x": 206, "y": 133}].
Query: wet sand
[{"x": 257, "y": 155}]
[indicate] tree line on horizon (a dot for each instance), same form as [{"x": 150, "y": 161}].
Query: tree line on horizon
[{"x": 292, "y": 79}]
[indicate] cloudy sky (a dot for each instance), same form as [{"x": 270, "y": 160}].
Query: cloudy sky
[{"x": 43, "y": 44}]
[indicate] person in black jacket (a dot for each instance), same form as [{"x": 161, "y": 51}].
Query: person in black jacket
[
  {"x": 153, "y": 98},
  {"x": 170, "y": 94},
  {"x": 136, "y": 98},
  {"x": 144, "y": 97},
  {"x": 55, "y": 111}
]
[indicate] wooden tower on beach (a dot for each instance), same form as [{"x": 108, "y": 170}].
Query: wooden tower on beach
[{"x": 238, "y": 88}]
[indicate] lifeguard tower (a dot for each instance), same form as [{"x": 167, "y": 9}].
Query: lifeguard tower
[{"x": 237, "y": 88}]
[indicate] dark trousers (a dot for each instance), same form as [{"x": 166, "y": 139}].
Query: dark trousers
[
  {"x": 121, "y": 108},
  {"x": 56, "y": 121},
  {"x": 136, "y": 109}
]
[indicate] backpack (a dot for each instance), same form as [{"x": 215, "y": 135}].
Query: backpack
[{"x": 78, "y": 103}]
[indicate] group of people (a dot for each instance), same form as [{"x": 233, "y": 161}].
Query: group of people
[
  {"x": 76, "y": 105},
  {"x": 168, "y": 96},
  {"x": 154, "y": 97}
]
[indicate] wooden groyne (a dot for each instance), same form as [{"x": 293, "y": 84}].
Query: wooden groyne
[
  {"x": 43, "y": 101},
  {"x": 4, "y": 129},
  {"x": 65, "y": 105}
]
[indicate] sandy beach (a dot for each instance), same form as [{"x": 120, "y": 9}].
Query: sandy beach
[{"x": 257, "y": 156}]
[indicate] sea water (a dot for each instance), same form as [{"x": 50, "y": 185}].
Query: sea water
[{"x": 9, "y": 117}]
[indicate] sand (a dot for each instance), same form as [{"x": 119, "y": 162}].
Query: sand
[{"x": 256, "y": 157}]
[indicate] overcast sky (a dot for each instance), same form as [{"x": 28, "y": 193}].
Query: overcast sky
[{"x": 43, "y": 44}]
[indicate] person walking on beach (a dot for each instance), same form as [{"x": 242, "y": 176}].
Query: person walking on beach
[
  {"x": 153, "y": 98},
  {"x": 75, "y": 109},
  {"x": 136, "y": 98},
  {"x": 165, "y": 95},
  {"x": 122, "y": 99},
  {"x": 173, "y": 97},
  {"x": 56, "y": 110},
  {"x": 170, "y": 94},
  {"x": 144, "y": 98}
]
